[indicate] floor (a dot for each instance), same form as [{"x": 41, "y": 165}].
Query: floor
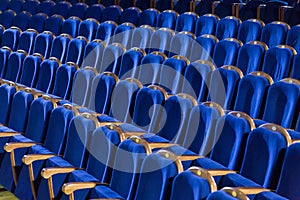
[{"x": 5, "y": 195}]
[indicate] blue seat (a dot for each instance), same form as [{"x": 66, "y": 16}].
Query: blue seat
[
  {"x": 292, "y": 38},
  {"x": 181, "y": 44},
  {"x": 278, "y": 61},
  {"x": 150, "y": 67},
  {"x": 93, "y": 53},
  {"x": 70, "y": 26},
  {"x": 186, "y": 22},
  {"x": 102, "y": 88},
  {"x": 54, "y": 24},
  {"x": 149, "y": 17},
  {"x": 203, "y": 48},
  {"x": 111, "y": 13},
  {"x": 26, "y": 40},
  {"x": 141, "y": 37},
  {"x": 30, "y": 70},
  {"x": 10, "y": 38},
  {"x": 250, "y": 56},
  {"x": 43, "y": 44},
  {"x": 2, "y": 29},
  {"x": 76, "y": 50},
  {"x": 21, "y": 20},
  {"x": 227, "y": 27},
  {"x": 160, "y": 40},
  {"x": 196, "y": 79},
  {"x": 295, "y": 73},
  {"x": 167, "y": 19},
  {"x": 15, "y": 5},
  {"x": 274, "y": 33},
  {"x": 130, "y": 63},
  {"x": 123, "y": 34},
  {"x": 106, "y": 30},
  {"x": 131, "y": 15},
  {"x": 31, "y": 6},
  {"x": 47, "y": 75},
  {"x": 225, "y": 52},
  {"x": 94, "y": 11},
  {"x": 59, "y": 47},
  {"x": 206, "y": 24},
  {"x": 250, "y": 30},
  {"x": 88, "y": 28},
  {"x": 3, "y": 5},
  {"x": 64, "y": 80},
  {"x": 7, "y": 92},
  {"x": 14, "y": 66},
  {"x": 4, "y": 54},
  {"x": 111, "y": 58},
  {"x": 252, "y": 90},
  {"x": 46, "y": 7},
  {"x": 61, "y": 8},
  {"x": 6, "y": 18},
  {"x": 78, "y": 10},
  {"x": 38, "y": 21},
  {"x": 223, "y": 86}
]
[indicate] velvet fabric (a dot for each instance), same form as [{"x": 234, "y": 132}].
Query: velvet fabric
[
  {"x": 295, "y": 67},
  {"x": 111, "y": 59},
  {"x": 45, "y": 7},
  {"x": 293, "y": 38},
  {"x": 123, "y": 34},
  {"x": 26, "y": 41},
  {"x": 181, "y": 44},
  {"x": 76, "y": 50},
  {"x": 94, "y": 11},
  {"x": 186, "y": 22},
  {"x": 54, "y": 24},
  {"x": 37, "y": 22},
  {"x": 78, "y": 10},
  {"x": 167, "y": 19},
  {"x": 15, "y": 5},
  {"x": 130, "y": 63},
  {"x": 141, "y": 37},
  {"x": 59, "y": 47},
  {"x": 203, "y": 48},
  {"x": 6, "y": 93},
  {"x": 30, "y": 6},
  {"x": 30, "y": 70},
  {"x": 87, "y": 28},
  {"x": 14, "y": 66},
  {"x": 4, "y": 54},
  {"x": 130, "y": 15},
  {"x": 43, "y": 44},
  {"x": 249, "y": 30},
  {"x": 93, "y": 54},
  {"x": 21, "y": 20},
  {"x": 6, "y": 18},
  {"x": 148, "y": 17},
  {"x": 111, "y": 13},
  {"x": 61, "y": 8},
  {"x": 10, "y": 38},
  {"x": 227, "y": 28},
  {"x": 105, "y": 31},
  {"x": 206, "y": 24},
  {"x": 160, "y": 41},
  {"x": 274, "y": 34}
]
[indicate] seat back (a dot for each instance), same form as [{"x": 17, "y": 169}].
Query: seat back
[
  {"x": 206, "y": 24},
  {"x": 112, "y": 13},
  {"x": 14, "y": 65},
  {"x": 292, "y": 38},
  {"x": 227, "y": 27},
  {"x": 15, "y": 5},
  {"x": 7, "y": 91},
  {"x": 203, "y": 48},
  {"x": 26, "y": 40},
  {"x": 131, "y": 15},
  {"x": 6, "y": 18},
  {"x": 78, "y": 10},
  {"x": 76, "y": 50},
  {"x": 10, "y": 38},
  {"x": 87, "y": 28},
  {"x": 149, "y": 17},
  {"x": 250, "y": 30},
  {"x": 186, "y": 22},
  {"x": 59, "y": 47},
  {"x": 21, "y": 20},
  {"x": 70, "y": 26},
  {"x": 167, "y": 19},
  {"x": 4, "y": 54},
  {"x": 37, "y": 22},
  {"x": 123, "y": 34},
  {"x": 46, "y": 7},
  {"x": 160, "y": 40},
  {"x": 61, "y": 8},
  {"x": 54, "y": 24},
  {"x": 93, "y": 53},
  {"x": 95, "y": 11},
  {"x": 43, "y": 43},
  {"x": 274, "y": 33},
  {"x": 141, "y": 37},
  {"x": 181, "y": 44},
  {"x": 106, "y": 30}
]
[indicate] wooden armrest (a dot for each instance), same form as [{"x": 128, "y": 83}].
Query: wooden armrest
[
  {"x": 30, "y": 158},
  {"x": 69, "y": 188},
  {"x": 9, "y": 134},
  {"x": 49, "y": 172},
  {"x": 9, "y": 147}
]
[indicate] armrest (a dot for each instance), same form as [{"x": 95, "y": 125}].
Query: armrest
[
  {"x": 69, "y": 188},
  {"x": 9, "y": 134},
  {"x": 49, "y": 172},
  {"x": 110, "y": 123},
  {"x": 260, "y": 8},
  {"x": 155, "y": 145},
  {"x": 9, "y": 147},
  {"x": 188, "y": 158},
  {"x": 213, "y": 6},
  {"x": 30, "y": 158},
  {"x": 219, "y": 172},
  {"x": 249, "y": 191}
]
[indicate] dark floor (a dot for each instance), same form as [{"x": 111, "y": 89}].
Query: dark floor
[{"x": 5, "y": 195}]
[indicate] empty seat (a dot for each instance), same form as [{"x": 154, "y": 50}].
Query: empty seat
[
  {"x": 7, "y": 92},
  {"x": 37, "y": 22},
  {"x": 60, "y": 46},
  {"x": 181, "y": 44},
  {"x": 70, "y": 26},
  {"x": 206, "y": 24},
  {"x": 61, "y": 8},
  {"x": 3, "y": 5},
  {"x": 15, "y": 5},
  {"x": 130, "y": 15},
  {"x": 26, "y": 40},
  {"x": 54, "y": 24},
  {"x": 250, "y": 56},
  {"x": 14, "y": 65},
  {"x": 88, "y": 28},
  {"x": 21, "y": 20},
  {"x": 225, "y": 52},
  {"x": 31, "y": 6},
  {"x": 111, "y": 13},
  {"x": 6, "y": 18},
  {"x": 278, "y": 61},
  {"x": 203, "y": 47},
  {"x": 10, "y": 38},
  {"x": 123, "y": 34},
  {"x": 2, "y": 29},
  {"x": 76, "y": 50},
  {"x": 111, "y": 58},
  {"x": 274, "y": 33},
  {"x": 227, "y": 27},
  {"x": 186, "y": 22},
  {"x": 293, "y": 38},
  {"x": 43, "y": 43},
  {"x": 4, "y": 54},
  {"x": 167, "y": 19},
  {"x": 250, "y": 30},
  {"x": 106, "y": 30},
  {"x": 149, "y": 17},
  {"x": 93, "y": 53},
  {"x": 78, "y": 10},
  {"x": 95, "y": 11},
  {"x": 141, "y": 37},
  {"x": 160, "y": 40},
  {"x": 46, "y": 7}
]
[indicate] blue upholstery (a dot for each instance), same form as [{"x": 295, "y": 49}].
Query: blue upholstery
[
  {"x": 78, "y": 10},
  {"x": 81, "y": 88},
  {"x": 196, "y": 79},
  {"x": 227, "y": 27},
  {"x": 2, "y": 29},
  {"x": 278, "y": 62},
  {"x": 54, "y": 24},
  {"x": 3, "y": 5},
  {"x": 149, "y": 17},
  {"x": 141, "y": 37},
  {"x": 61, "y": 8},
  {"x": 162, "y": 5},
  {"x": 37, "y": 22},
  {"x": 186, "y": 22},
  {"x": 206, "y": 24},
  {"x": 59, "y": 47},
  {"x": 250, "y": 30},
  {"x": 26, "y": 40},
  {"x": 181, "y": 44},
  {"x": 167, "y": 19},
  {"x": 123, "y": 34},
  {"x": 225, "y": 52},
  {"x": 111, "y": 13},
  {"x": 106, "y": 30},
  {"x": 203, "y": 48},
  {"x": 46, "y": 7},
  {"x": 102, "y": 88},
  {"x": 252, "y": 92},
  {"x": 76, "y": 50},
  {"x": 43, "y": 43},
  {"x": 160, "y": 40},
  {"x": 111, "y": 58},
  {"x": 93, "y": 53},
  {"x": 150, "y": 68},
  {"x": 30, "y": 70},
  {"x": 6, "y": 18},
  {"x": 223, "y": 86},
  {"x": 7, "y": 92},
  {"x": 95, "y": 11},
  {"x": 250, "y": 56},
  {"x": 70, "y": 26},
  {"x": 21, "y": 20},
  {"x": 274, "y": 33},
  {"x": 15, "y": 5},
  {"x": 130, "y": 63},
  {"x": 130, "y": 15},
  {"x": 4, "y": 54},
  {"x": 293, "y": 38},
  {"x": 87, "y": 28},
  {"x": 47, "y": 75},
  {"x": 14, "y": 65},
  {"x": 295, "y": 73},
  {"x": 31, "y": 6},
  {"x": 10, "y": 38}
]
